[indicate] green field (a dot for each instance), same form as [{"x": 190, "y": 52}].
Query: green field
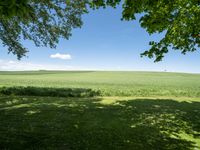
[
  {"x": 145, "y": 84},
  {"x": 99, "y": 110}
]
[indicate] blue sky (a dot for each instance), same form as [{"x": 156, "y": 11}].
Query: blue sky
[{"x": 103, "y": 43}]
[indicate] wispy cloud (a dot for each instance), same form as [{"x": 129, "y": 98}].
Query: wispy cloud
[
  {"x": 10, "y": 65},
  {"x": 61, "y": 56}
]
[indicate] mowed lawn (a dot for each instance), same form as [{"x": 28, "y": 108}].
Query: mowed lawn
[{"x": 99, "y": 110}]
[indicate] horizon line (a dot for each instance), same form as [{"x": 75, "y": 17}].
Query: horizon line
[{"x": 99, "y": 70}]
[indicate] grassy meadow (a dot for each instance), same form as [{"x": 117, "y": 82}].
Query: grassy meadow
[
  {"x": 144, "y": 84},
  {"x": 99, "y": 110}
]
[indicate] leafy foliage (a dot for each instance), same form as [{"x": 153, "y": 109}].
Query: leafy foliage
[
  {"x": 179, "y": 20},
  {"x": 41, "y": 21},
  {"x": 45, "y": 21}
]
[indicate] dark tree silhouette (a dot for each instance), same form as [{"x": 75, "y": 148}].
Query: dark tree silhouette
[{"x": 45, "y": 21}]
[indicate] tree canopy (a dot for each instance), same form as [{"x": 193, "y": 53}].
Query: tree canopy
[
  {"x": 45, "y": 21},
  {"x": 40, "y": 21},
  {"x": 179, "y": 20}
]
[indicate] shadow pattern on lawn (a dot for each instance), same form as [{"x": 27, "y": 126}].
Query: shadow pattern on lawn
[
  {"x": 48, "y": 91},
  {"x": 78, "y": 124}
]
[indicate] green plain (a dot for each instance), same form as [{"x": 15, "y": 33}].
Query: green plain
[
  {"x": 144, "y": 84},
  {"x": 133, "y": 111}
]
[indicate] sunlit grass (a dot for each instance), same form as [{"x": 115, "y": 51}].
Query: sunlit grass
[{"x": 140, "y": 84}]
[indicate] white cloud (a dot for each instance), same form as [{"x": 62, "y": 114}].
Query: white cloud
[
  {"x": 9, "y": 65},
  {"x": 61, "y": 56}
]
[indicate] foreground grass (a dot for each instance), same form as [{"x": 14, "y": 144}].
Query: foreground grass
[
  {"x": 142, "y": 84},
  {"x": 99, "y": 123}
]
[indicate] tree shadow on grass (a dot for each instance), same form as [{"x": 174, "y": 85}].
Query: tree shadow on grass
[
  {"x": 85, "y": 123},
  {"x": 48, "y": 91}
]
